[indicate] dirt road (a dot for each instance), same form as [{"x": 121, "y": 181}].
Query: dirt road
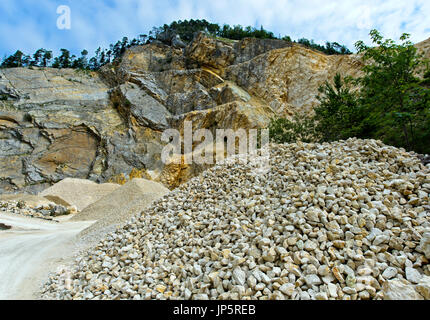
[{"x": 30, "y": 251}]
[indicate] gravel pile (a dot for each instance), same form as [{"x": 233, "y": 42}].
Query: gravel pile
[
  {"x": 425, "y": 159},
  {"x": 78, "y": 192},
  {"x": 42, "y": 211},
  {"x": 116, "y": 209},
  {"x": 346, "y": 220},
  {"x": 29, "y": 199}
]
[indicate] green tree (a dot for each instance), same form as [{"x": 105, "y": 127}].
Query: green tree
[
  {"x": 390, "y": 102},
  {"x": 14, "y": 61},
  {"x": 95, "y": 62},
  {"x": 392, "y": 96},
  {"x": 142, "y": 39},
  {"x": 339, "y": 115},
  {"x": 64, "y": 60},
  {"x": 124, "y": 45},
  {"x": 330, "y": 48},
  {"x": 46, "y": 59},
  {"x": 37, "y": 58},
  {"x": 300, "y": 128},
  {"x": 41, "y": 58},
  {"x": 82, "y": 62}
]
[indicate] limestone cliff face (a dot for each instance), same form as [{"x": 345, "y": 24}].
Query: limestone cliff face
[
  {"x": 64, "y": 123},
  {"x": 424, "y": 48},
  {"x": 288, "y": 79}
]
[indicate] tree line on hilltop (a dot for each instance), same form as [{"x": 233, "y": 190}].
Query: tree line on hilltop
[{"x": 185, "y": 29}]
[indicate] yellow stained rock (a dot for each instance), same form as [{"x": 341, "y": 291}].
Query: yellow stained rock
[
  {"x": 337, "y": 274},
  {"x": 226, "y": 253},
  {"x": 160, "y": 288}
]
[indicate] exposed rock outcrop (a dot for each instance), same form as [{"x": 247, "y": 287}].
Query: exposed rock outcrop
[
  {"x": 64, "y": 124},
  {"x": 288, "y": 79},
  {"x": 56, "y": 124},
  {"x": 139, "y": 108},
  {"x": 424, "y": 48}
]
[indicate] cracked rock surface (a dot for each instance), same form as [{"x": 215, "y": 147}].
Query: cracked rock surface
[{"x": 57, "y": 124}]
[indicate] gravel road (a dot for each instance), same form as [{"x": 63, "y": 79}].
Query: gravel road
[{"x": 31, "y": 250}]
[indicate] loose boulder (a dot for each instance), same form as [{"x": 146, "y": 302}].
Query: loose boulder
[
  {"x": 424, "y": 287},
  {"x": 400, "y": 290}
]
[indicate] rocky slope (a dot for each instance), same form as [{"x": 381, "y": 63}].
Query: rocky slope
[
  {"x": 64, "y": 123},
  {"x": 424, "y": 48}
]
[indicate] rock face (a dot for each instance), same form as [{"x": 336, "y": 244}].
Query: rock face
[
  {"x": 56, "y": 124},
  {"x": 54, "y": 128},
  {"x": 141, "y": 108},
  {"x": 288, "y": 79},
  {"x": 424, "y": 48}
]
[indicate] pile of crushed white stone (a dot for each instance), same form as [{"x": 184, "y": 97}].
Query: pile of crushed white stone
[
  {"x": 45, "y": 212},
  {"x": 346, "y": 220}
]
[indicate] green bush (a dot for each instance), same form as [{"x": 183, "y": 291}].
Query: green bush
[
  {"x": 300, "y": 128},
  {"x": 394, "y": 102},
  {"x": 339, "y": 115}
]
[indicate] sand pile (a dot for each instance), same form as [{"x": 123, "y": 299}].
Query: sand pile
[
  {"x": 117, "y": 208},
  {"x": 77, "y": 192}
]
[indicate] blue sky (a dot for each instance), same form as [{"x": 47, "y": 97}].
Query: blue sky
[{"x": 29, "y": 24}]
